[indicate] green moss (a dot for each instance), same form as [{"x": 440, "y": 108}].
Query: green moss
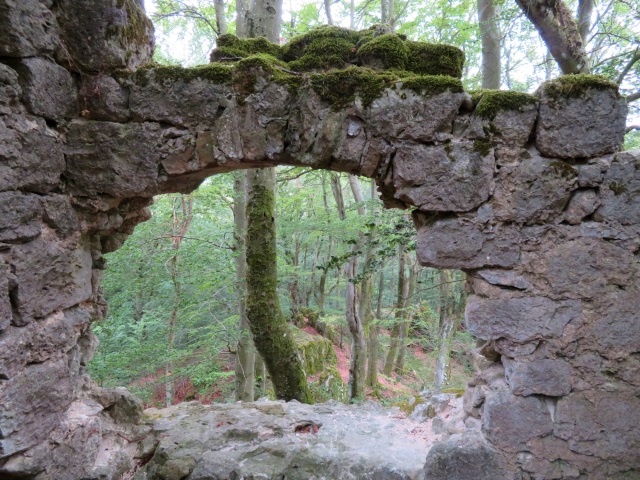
[
  {"x": 476, "y": 95},
  {"x": 482, "y": 147},
  {"x": 247, "y": 70},
  {"x": 408, "y": 406},
  {"x": 138, "y": 28},
  {"x": 563, "y": 169},
  {"x": 227, "y": 54},
  {"x": 430, "y": 85},
  {"x": 340, "y": 87},
  {"x": 434, "y": 59},
  {"x": 573, "y": 86},
  {"x": 617, "y": 188},
  {"x": 388, "y": 51},
  {"x": 458, "y": 392},
  {"x": 308, "y": 63},
  {"x": 249, "y": 46},
  {"x": 213, "y": 72},
  {"x": 296, "y": 48},
  {"x": 493, "y": 101}
]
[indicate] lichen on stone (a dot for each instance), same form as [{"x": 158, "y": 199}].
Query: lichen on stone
[
  {"x": 493, "y": 101},
  {"x": 563, "y": 169},
  {"x": 574, "y": 86}
]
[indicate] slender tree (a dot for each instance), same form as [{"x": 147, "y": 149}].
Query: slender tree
[{"x": 490, "y": 35}]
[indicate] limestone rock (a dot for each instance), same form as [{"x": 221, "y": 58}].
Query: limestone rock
[
  {"x": 510, "y": 422},
  {"x": 520, "y": 319},
  {"x": 550, "y": 377},
  {"x": 19, "y": 216},
  {"x": 451, "y": 177},
  {"x": 30, "y": 155},
  {"x": 469, "y": 459},
  {"x": 581, "y": 125},
  {"x": 582, "y": 204},
  {"x": 10, "y": 90},
  {"x": 27, "y": 28},
  {"x": 620, "y": 193},
  {"x": 6, "y": 314},
  {"x": 535, "y": 190},
  {"x": 49, "y": 275},
  {"x": 103, "y": 98},
  {"x": 48, "y": 89},
  {"x": 121, "y": 34},
  {"x": 33, "y": 404},
  {"x": 448, "y": 243}
]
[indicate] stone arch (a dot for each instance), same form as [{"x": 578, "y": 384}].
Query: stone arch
[{"x": 531, "y": 200}]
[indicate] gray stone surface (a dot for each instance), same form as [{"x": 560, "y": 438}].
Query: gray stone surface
[
  {"x": 583, "y": 126},
  {"x": 620, "y": 193},
  {"x": 520, "y": 319},
  {"x": 10, "y": 90},
  {"x": 550, "y": 377},
  {"x": 19, "y": 216},
  {"x": 103, "y": 98},
  {"x": 48, "y": 89},
  {"x": 28, "y": 29}
]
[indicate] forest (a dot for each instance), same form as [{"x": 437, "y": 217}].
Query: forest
[{"x": 361, "y": 319}]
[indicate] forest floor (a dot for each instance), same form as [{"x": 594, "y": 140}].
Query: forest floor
[{"x": 396, "y": 389}]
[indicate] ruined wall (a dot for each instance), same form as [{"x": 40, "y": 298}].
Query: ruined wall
[{"x": 528, "y": 196}]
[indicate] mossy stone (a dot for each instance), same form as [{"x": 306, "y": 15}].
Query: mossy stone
[
  {"x": 246, "y": 71},
  {"x": 384, "y": 52},
  {"x": 296, "y": 48},
  {"x": 244, "y": 47},
  {"x": 340, "y": 87},
  {"x": 493, "y": 101},
  {"x": 430, "y": 85},
  {"x": 574, "y": 86},
  {"x": 434, "y": 59},
  {"x": 214, "y": 72}
]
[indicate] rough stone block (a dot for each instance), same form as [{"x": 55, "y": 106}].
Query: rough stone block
[
  {"x": 10, "y": 90},
  {"x": 510, "y": 421},
  {"x": 520, "y": 319},
  {"x": 620, "y": 192},
  {"x": 112, "y": 158},
  {"x": 601, "y": 424},
  {"x": 617, "y": 329},
  {"x": 454, "y": 177},
  {"x": 40, "y": 341},
  {"x": 582, "y": 204},
  {"x": 19, "y": 216},
  {"x": 30, "y": 157},
  {"x": 460, "y": 243},
  {"x": 103, "y": 98},
  {"x": 50, "y": 275},
  {"x": 121, "y": 34},
  {"x": 179, "y": 101},
  {"x": 586, "y": 124},
  {"x": 402, "y": 114},
  {"x": 48, "y": 89},
  {"x": 33, "y": 404},
  {"x": 467, "y": 460},
  {"x": 540, "y": 377},
  {"x": 5, "y": 303},
  {"x": 508, "y": 127},
  {"x": 60, "y": 215},
  {"x": 27, "y": 28},
  {"x": 535, "y": 190}
]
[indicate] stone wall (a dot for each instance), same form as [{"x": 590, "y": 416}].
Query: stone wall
[{"x": 531, "y": 199}]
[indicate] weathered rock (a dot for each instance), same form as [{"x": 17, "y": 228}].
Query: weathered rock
[
  {"x": 508, "y": 127},
  {"x": 28, "y": 28},
  {"x": 121, "y": 35},
  {"x": 467, "y": 244},
  {"x": 10, "y": 90},
  {"x": 620, "y": 192},
  {"x": 132, "y": 167},
  {"x": 294, "y": 441},
  {"x": 6, "y": 314},
  {"x": 33, "y": 404},
  {"x": 535, "y": 190},
  {"x": 178, "y": 101},
  {"x": 60, "y": 215},
  {"x": 617, "y": 329},
  {"x": 469, "y": 459},
  {"x": 48, "y": 89},
  {"x": 103, "y": 98},
  {"x": 403, "y": 114},
  {"x": 520, "y": 319},
  {"x": 587, "y": 122},
  {"x": 30, "y": 156},
  {"x": 550, "y": 377},
  {"x": 582, "y": 204},
  {"x": 452, "y": 177},
  {"x": 19, "y": 216},
  {"x": 50, "y": 275},
  {"x": 510, "y": 422}
]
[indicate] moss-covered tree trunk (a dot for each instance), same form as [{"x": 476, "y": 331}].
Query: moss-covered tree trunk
[
  {"x": 245, "y": 351},
  {"x": 271, "y": 333}
]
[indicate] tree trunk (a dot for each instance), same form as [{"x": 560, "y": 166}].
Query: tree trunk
[
  {"x": 403, "y": 287},
  {"x": 490, "y": 34},
  {"x": 447, "y": 328},
  {"x": 373, "y": 343},
  {"x": 404, "y": 330},
  {"x": 271, "y": 333},
  {"x": 264, "y": 19},
  {"x": 585, "y": 9},
  {"x": 241, "y": 18},
  {"x": 221, "y": 20},
  {"x": 327, "y": 9},
  {"x": 245, "y": 351},
  {"x": 560, "y": 33}
]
